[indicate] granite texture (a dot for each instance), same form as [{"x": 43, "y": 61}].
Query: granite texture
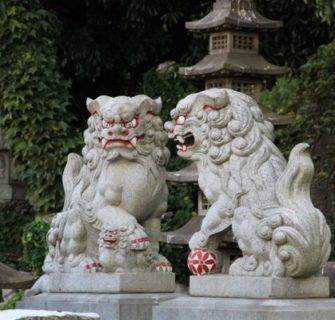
[
  {"x": 107, "y": 306},
  {"x": 45, "y": 315},
  {"x": 251, "y": 187},
  {"x": 199, "y": 308},
  {"x": 226, "y": 286},
  {"x": 108, "y": 282}
]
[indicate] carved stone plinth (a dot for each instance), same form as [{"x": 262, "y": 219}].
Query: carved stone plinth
[
  {"x": 199, "y": 308},
  {"x": 148, "y": 282},
  {"x": 45, "y": 315},
  {"x": 225, "y": 286},
  {"x": 109, "y": 306}
]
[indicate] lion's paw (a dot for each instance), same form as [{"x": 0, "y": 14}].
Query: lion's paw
[
  {"x": 198, "y": 240},
  {"x": 91, "y": 265},
  {"x": 161, "y": 264}
]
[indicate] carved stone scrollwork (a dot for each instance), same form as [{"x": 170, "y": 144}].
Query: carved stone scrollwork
[{"x": 251, "y": 187}]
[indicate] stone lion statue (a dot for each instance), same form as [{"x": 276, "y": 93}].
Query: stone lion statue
[
  {"x": 115, "y": 187},
  {"x": 250, "y": 185}
]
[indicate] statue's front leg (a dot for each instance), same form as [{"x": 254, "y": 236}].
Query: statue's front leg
[
  {"x": 218, "y": 218},
  {"x": 153, "y": 226}
]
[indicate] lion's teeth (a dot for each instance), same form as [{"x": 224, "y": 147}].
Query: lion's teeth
[
  {"x": 179, "y": 147},
  {"x": 180, "y": 139},
  {"x": 133, "y": 141},
  {"x": 184, "y": 148}
]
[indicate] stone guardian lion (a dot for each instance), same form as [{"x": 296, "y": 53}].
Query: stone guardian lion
[
  {"x": 251, "y": 187},
  {"x": 115, "y": 193}
]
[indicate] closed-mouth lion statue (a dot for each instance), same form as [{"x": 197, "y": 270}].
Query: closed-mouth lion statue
[
  {"x": 250, "y": 186},
  {"x": 117, "y": 186}
]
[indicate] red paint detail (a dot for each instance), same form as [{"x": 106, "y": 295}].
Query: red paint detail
[
  {"x": 163, "y": 264},
  {"x": 206, "y": 107},
  {"x": 125, "y": 133},
  {"x": 110, "y": 242},
  {"x": 110, "y": 142},
  {"x": 202, "y": 261},
  {"x": 139, "y": 240},
  {"x": 205, "y": 268},
  {"x": 110, "y": 133},
  {"x": 141, "y": 137},
  {"x": 206, "y": 256}
]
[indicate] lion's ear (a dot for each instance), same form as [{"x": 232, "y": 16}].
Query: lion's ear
[
  {"x": 208, "y": 102},
  {"x": 204, "y": 100},
  {"x": 92, "y": 106},
  {"x": 221, "y": 100},
  {"x": 159, "y": 104},
  {"x": 151, "y": 106}
]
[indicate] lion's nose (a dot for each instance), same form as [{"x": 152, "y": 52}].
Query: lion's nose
[{"x": 118, "y": 129}]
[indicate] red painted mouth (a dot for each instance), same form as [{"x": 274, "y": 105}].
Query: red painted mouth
[
  {"x": 117, "y": 141},
  {"x": 128, "y": 143},
  {"x": 110, "y": 242}
]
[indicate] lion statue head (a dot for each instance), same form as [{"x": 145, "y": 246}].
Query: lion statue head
[
  {"x": 127, "y": 127},
  {"x": 218, "y": 123},
  {"x": 224, "y": 131}
]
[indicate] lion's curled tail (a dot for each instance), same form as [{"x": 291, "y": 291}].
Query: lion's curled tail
[{"x": 303, "y": 240}]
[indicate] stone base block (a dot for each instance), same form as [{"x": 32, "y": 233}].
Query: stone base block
[
  {"x": 199, "y": 308},
  {"x": 45, "y": 315},
  {"x": 107, "y": 306},
  {"x": 220, "y": 285},
  {"x": 109, "y": 282}
]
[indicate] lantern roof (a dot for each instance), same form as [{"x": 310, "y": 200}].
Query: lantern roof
[
  {"x": 234, "y": 64},
  {"x": 233, "y": 14},
  {"x": 183, "y": 235},
  {"x": 187, "y": 174}
]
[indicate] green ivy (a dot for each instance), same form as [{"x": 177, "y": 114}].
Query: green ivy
[
  {"x": 35, "y": 246},
  {"x": 13, "y": 216},
  {"x": 34, "y": 100},
  {"x": 311, "y": 95},
  {"x": 13, "y": 300}
]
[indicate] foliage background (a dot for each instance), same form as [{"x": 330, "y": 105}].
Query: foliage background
[{"x": 53, "y": 54}]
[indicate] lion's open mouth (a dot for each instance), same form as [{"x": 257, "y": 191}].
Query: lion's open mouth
[
  {"x": 187, "y": 141},
  {"x": 110, "y": 242},
  {"x": 106, "y": 143}
]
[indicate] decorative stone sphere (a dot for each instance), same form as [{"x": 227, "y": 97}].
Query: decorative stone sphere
[{"x": 203, "y": 261}]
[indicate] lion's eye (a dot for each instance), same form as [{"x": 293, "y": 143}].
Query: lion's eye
[
  {"x": 131, "y": 124},
  {"x": 106, "y": 124},
  {"x": 180, "y": 120}
]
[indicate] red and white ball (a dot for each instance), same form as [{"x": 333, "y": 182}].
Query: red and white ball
[{"x": 203, "y": 261}]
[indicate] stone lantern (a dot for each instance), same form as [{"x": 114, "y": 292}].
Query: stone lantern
[
  {"x": 234, "y": 61},
  {"x": 10, "y": 187},
  {"x": 182, "y": 236}
]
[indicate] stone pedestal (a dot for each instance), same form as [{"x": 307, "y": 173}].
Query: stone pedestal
[
  {"x": 199, "y": 308},
  {"x": 220, "y": 285},
  {"x": 45, "y": 315},
  {"x": 149, "y": 282},
  {"x": 107, "y": 306}
]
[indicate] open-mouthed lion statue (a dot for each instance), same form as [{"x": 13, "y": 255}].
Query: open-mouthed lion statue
[
  {"x": 117, "y": 186},
  {"x": 250, "y": 185}
]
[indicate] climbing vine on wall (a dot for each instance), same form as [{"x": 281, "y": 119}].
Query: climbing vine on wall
[{"x": 34, "y": 100}]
